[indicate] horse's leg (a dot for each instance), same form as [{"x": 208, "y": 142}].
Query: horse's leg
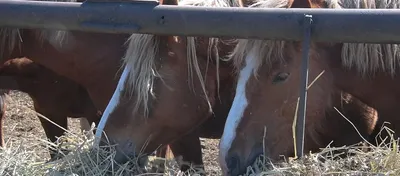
[
  {"x": 2, "y": 116},
  {"x": 189, "y": 148},
  {"x": 6, "y": 83},
  {"x": 52, "y": 131}
]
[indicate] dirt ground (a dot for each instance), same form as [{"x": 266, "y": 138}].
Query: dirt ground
[{"x": 22, "y": 127}]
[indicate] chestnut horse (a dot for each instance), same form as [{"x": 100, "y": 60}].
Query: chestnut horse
[
  {"x": 54, "y": 96},
  {"x": 87, "y": 58},
  {"x": 92, "y": 60},
  {"x": 369, "y": 71},
  {"x": 169, "y": 86},
  {"x": 267, "y": 94}
]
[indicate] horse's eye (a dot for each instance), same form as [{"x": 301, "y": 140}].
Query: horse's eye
[{"x": 280, "y": 77}]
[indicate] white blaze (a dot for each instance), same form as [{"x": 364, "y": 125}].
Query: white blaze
[
  {"x": 238, "y": 107},
  {"x": 113, "y": 102}
]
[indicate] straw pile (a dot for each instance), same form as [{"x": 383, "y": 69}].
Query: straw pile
[
  {"x": 26, "y": 153},
  {"x": 358, "y": 159},
  {"x": 84, "y": 159}
]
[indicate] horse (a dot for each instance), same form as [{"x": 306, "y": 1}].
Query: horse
[
  {"x": 170, "y": 85},
  {"x": 267, "y": 95},
  {"x": 89, "y": 59},
  {"x": 369, "y": 71},
  {"x": 54, "y": 96},
  {"x": 92, "y": 60}
]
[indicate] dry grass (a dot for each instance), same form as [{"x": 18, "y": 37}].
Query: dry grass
[
  {"x": 28, "y": 156},
  {"x": 358, "y": 159},
  {"x": 26, "y": 150},
  {"x": 83, "y": 158}
]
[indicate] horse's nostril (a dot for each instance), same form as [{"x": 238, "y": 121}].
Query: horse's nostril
[{"x": 233, "y": 164}]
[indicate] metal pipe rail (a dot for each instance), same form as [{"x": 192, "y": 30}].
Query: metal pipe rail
[{"x": 330, "y": 25}]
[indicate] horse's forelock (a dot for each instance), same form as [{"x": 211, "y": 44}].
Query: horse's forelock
[
  {"x": 266, "y": 52},
  {"x": 213, "y": 42},
  {"x": 140, "y": 57}
]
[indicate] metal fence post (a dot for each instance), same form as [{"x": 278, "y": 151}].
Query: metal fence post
[{"x": 301, "y": 114}]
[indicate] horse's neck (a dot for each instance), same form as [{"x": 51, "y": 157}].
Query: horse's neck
[
  {"x": 80, "y": 53},
  {"x": 377, "y": 90}
]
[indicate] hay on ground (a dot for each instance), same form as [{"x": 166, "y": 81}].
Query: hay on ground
[
  {"x": 85, "y": 159},
  {"x": 358, "y": 159},
  {"x": 79, "y": 157},
  {"x": 82, "y": 159}
]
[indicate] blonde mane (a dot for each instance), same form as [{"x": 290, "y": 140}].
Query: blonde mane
[
  {"x": 141, "y": 59},
  {"x": 371, "y": 58},
  {"x": 10, "y": 38},
  {"x": 366, "y": 58}
]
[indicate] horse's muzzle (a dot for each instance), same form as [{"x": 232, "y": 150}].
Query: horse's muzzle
[{"x": 237, "y": 165}]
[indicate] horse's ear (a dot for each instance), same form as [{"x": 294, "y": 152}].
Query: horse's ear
[
  {"x": 168, "y": 2},
  {"x": 300, "y": 4}
]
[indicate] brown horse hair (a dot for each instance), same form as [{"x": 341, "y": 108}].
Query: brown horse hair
[{"x": 143, "y": 70}]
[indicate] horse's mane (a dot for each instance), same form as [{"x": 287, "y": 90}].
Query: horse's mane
[
  {"x": 366, "y": 58},
  {"x": 10, "y": 38},
  {"x": 140, "y": 58},
  {"x": 370, "y": 58}
]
